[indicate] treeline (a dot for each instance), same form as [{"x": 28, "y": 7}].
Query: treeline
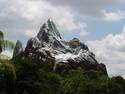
[{"x": 34, "y": 77}]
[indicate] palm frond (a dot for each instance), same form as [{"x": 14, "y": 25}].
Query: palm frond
[
  {"x": 5, "y": 43},
  {"x": 1, "y": 35},
  {"x": 8, "y": 44}
]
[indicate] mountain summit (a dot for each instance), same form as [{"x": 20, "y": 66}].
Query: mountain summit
[
  {"x": 49, "y": 47},
  {"x": 49, "y": 29}
]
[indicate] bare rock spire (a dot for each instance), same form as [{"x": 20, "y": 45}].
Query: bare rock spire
[{"x": 18, "y": 48}]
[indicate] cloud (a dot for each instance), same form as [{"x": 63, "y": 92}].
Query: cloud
[
  {"x": 30, "y": 33},
  {"x": 114, "y": 16},
  {"x": 87, "y": 7},
  {"x": 82, "y": 28},
  {"x": 26, "y": 16},
  {"x": 83, "y": 33},
  {"x": 111, "y": 51},
  {"x": 21, "y": 19}
]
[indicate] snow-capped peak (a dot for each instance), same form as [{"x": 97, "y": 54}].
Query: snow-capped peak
[
  {"x": 49, "y": 46},
  {"x": 48, "y": 29}
]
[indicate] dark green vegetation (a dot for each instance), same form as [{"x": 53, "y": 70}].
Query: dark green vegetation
[{"x": 35, "y": 77}]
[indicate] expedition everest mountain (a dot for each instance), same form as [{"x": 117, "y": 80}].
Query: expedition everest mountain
[{"x": 49, "y": 47}]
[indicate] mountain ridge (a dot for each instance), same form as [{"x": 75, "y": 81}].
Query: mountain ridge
[{"x": 49, "y": 46}]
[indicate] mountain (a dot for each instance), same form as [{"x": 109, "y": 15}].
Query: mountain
[
  {"x": 18, "y": 48},
  {"x": 49, "y": 47}
]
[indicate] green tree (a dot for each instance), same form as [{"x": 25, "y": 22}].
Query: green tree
[
  {"x": 7, "y": 77},
  {"x": 5, "y": 43}
]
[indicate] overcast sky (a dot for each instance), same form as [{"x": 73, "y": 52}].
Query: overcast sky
[{"x": 98, "y": 23}]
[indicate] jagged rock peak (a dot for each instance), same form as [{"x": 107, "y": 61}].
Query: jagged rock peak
[
  {"x": 48, "y": 29},
  {"x": 75, "y": 39},
  {"x": 50, "y": 48},
  {"x": 18, "y": 48}
]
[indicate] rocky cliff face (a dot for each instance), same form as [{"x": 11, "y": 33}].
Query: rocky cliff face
[
  {"x": 48, "y": 46},
  {"x": 18, "y": 48}
]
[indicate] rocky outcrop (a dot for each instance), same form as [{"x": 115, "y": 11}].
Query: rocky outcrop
[
  {"x": 18, "y": 48},
  {"x": 48, "y": 46}
]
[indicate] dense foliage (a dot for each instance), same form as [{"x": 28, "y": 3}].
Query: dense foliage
[{"x": 34, "y": 77}]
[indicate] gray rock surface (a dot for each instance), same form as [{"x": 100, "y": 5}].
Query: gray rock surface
[{"x": 18, "y": 48}]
